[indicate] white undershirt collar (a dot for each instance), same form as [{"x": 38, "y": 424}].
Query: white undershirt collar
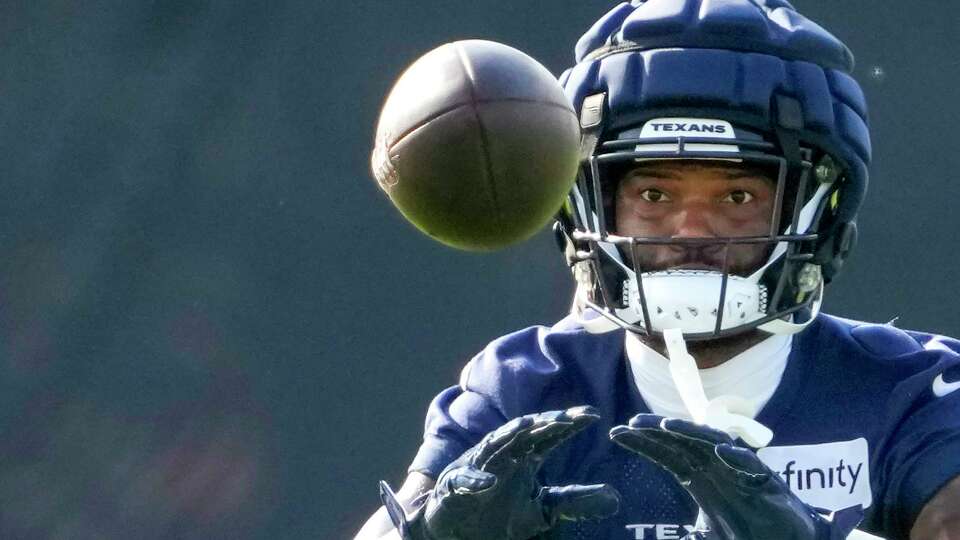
[{"x": 752, "y": 375}]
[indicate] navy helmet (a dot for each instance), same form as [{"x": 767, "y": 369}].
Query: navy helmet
[{"x": 749, "y": 81}]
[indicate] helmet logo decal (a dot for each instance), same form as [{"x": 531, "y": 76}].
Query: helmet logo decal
[
  {"x": 690, "y": 128},
  {"x": 694, "y": 128},
  {"x": 678, "y": 127}
]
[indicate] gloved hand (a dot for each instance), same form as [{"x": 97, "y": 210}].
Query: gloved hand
[
  {"x": 492, "y": 492},
  {"x": 741, "y": 498}
]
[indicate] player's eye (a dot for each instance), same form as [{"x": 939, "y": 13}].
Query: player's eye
[
  {"x": 654, "y": 196},
  {"x": 738, "y": 196}
]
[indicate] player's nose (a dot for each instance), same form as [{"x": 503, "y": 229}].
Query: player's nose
[{"x": 692, "y": 220}]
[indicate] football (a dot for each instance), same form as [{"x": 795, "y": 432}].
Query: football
[{"x": 477, "y": 145}]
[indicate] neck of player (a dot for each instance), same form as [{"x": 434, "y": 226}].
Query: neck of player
[{"x": 712, "y": 352}]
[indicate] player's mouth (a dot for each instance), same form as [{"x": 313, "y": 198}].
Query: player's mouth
[
  {"x": 710, "y": 259},
  {"x": 695, "y": 259},
  {"x": 696, "y": 266}
]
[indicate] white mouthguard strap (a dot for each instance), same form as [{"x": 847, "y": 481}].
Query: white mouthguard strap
[{"x": 728, "y": 413}]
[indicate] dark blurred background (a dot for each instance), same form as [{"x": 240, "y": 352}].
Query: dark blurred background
[{"x": 213, "y": 324}]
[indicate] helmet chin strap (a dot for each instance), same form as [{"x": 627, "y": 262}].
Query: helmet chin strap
[
  {"x": 591, "y": 319},
  {"x": 728, "y": 413},
  {"x": 782, "y": 326}
]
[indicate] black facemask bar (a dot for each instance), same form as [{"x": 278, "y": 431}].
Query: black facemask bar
[{"x": 605, "y": 268}]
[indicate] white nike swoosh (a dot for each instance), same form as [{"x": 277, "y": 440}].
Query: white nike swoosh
[{"x": 942, "y": 388}]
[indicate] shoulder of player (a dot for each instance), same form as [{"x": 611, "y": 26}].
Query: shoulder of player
[
  {"x": 885, "y": 343},
  {"x": 539, "y": 356},
  {"x": 564, "y": 342}
]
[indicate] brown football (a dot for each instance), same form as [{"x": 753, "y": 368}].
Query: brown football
[{"x": 477, "y": 145}]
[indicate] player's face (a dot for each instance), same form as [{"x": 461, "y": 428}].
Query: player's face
[{"x": 697, "y": 199}]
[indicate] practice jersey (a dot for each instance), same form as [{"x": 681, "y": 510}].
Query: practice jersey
[{"x": 864, "y": 414}]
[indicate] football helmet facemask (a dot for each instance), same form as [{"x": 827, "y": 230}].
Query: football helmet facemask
[{"x": 785, "y": 106}]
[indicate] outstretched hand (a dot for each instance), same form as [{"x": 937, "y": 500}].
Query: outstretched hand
[
  {"x": 492, "y": 490},
  {"x": 740, "y": 496}
]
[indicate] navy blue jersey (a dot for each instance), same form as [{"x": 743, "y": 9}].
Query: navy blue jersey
[{"x": 865, "y": 414}]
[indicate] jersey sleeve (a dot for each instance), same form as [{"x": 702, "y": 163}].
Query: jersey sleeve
[
  {"x": 456, "y": 420},
  {"x": 921, "y": 451},
  {"x": 506, "y": 380}
]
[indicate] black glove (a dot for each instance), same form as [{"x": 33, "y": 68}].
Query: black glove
[
  {"x": 492, "y": 492},
  {"x": 741, "y": 498}
]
